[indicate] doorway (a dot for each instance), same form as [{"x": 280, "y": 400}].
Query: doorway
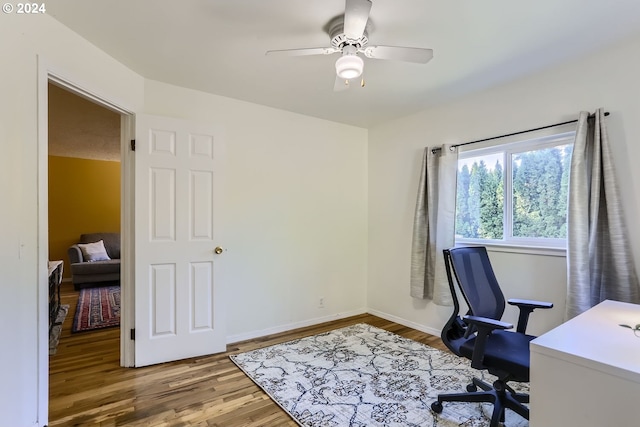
[
  {"x": 126, "y": 119},
  {"x": 84, "y": 194},
  {"x": 199, "y": 312}
]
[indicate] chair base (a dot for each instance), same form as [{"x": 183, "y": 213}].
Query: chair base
[{"x": 500, "y": 395}]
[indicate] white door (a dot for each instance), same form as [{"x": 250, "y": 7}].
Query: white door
[{"x": 178, "y": 307}]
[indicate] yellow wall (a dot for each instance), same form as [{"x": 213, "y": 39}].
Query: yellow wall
[{"x": 84, "y": 197}]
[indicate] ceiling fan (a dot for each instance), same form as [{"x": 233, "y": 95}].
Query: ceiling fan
[{"x": 349, "y": 37}]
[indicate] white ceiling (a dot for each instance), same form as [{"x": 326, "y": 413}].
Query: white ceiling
[{"x": 218, "y": 46}]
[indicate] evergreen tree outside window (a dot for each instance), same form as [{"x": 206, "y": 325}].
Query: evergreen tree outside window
[{"x": 515, "y": 194}]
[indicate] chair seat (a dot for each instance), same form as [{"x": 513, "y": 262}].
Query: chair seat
[{"x": 508, "y": 350}]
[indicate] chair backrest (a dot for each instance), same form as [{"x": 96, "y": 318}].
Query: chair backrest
[
  {"x": 477, "y": 281},
  {"x": 471, "y": 269}
]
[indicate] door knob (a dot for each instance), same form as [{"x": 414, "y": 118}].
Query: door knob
[{"x": 218, "y": 250}]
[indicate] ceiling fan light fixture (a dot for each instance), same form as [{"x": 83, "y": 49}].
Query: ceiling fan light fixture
[
  {"x": 349, "y": 66},
  {"x": 349, "y": 35}
]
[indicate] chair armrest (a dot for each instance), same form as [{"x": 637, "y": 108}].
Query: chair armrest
[
  {"x": 526, "y": 307},
  {"x": 75, "y": 254},
  {"x": 486, "y": 322},
  {"x": 530, "y": 303},
  {"x": 484, "y": 326}
]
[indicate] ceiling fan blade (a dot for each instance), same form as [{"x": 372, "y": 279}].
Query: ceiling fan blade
[
  {"x": 341, "y": 84},
  {"x": 303, "y": 52},
  {"x": 356, "y": 15},
  {"x": 396, "y": 53}
]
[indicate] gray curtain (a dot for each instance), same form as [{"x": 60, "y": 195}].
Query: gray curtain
[
  {"x": 434, "y": 224},
  {"x": 599, "y": 260}
]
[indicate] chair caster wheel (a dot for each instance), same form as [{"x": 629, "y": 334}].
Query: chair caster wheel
[
  {"x": 436, "y": 407},
  {"x": 471, "y": 388}
]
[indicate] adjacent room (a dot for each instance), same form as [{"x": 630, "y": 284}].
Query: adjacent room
[
  {"x": 84, "y": 174},
  {"x": 336, "y": 213}
]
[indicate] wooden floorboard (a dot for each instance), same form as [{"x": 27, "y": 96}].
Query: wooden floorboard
[{"x": 89, "y": 388}]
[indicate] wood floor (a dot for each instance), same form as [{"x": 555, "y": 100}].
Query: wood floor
[{"x": 89, "y": 388}]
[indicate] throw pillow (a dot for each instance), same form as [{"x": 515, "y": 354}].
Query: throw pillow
[{"x": 94, "y": 251}]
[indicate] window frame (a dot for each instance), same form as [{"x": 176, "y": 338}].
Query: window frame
[{"x": 547, "y": 246}]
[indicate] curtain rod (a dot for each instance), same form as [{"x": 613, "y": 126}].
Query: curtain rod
[{"x": 434, "y": 150}]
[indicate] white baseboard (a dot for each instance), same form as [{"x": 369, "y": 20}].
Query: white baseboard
[
  {"x": 405, "y": 322},
  {"x": 290, "y": 326}
]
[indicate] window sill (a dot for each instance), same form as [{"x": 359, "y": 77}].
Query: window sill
[{"x": 516, "y": 249}]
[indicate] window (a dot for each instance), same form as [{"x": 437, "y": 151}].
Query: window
[{"x": 516, "y": 193}]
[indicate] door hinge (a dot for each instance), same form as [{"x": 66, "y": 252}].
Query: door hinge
[
  {"x": 133, "y": 145},
  {"x": 133, "y": 334}
]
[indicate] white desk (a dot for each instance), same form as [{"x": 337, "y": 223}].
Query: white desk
[{"x": 586, "y": 372}]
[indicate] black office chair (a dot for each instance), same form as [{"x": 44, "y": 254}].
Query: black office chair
[{"x": 481, "y": 337}]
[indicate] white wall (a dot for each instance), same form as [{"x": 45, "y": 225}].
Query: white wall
[
  {"x": 22, "y": 262},
  {"x": 296, "y": 210},
  {"x": 608, "y": 79}
]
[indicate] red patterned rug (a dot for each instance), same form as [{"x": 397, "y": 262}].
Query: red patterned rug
[{"x": 97, "y": 308}]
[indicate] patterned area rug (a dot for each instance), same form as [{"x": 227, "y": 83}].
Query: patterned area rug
[
  {"x": 362, "y": 376},
  {"x": 98, "y": 308},
  {"x": 56, "y": 329}
]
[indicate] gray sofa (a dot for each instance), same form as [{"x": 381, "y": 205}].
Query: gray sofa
[{"x": 96, "y": 273}]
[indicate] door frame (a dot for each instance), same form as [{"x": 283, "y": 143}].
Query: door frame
[{"x": 47, "y": 72}]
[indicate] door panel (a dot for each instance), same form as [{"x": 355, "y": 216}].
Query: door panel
[
  {"x": 201, "y": 298},
  {"x": 163, "y": 300},
  {"x": 201, "y": 205},
  {"x": 177, "y": 291},
  {"x": 162, "y": 221}
]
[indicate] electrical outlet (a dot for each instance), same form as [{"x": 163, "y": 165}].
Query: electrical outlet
[{"x": 321, "y": 302}]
